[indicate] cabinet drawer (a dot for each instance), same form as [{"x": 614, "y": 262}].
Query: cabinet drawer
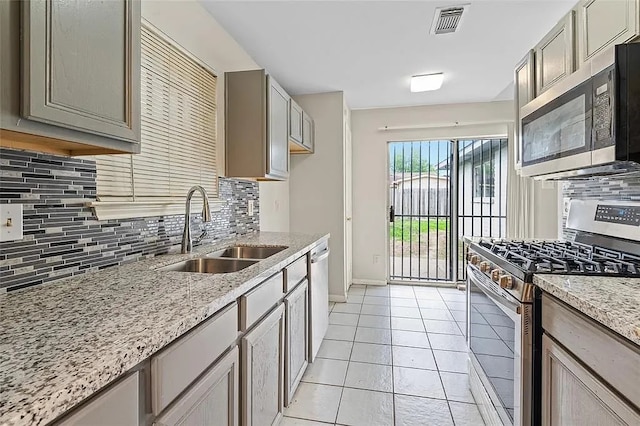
[
  {"x": 173, "y": 369},
  {"x": 295, "y": 272},
  {"x": 255, "y": 304},
  {"x": 212, "y": 400},
  {"x": 608, "y": 355},
  {"x": 118, "y": 405}
]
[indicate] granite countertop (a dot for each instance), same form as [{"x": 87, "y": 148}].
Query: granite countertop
[
  {"x": 613, "y": 302},
  {"x": 62, "y": 342}
]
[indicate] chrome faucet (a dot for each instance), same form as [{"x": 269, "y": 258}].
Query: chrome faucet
[{"x": 206, "y": 217}]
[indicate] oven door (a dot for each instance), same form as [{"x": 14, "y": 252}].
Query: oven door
[{"x": 500, "y": 346}]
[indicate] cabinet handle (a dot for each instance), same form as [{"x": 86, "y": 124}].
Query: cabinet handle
[{"x": 320, "y": 257}]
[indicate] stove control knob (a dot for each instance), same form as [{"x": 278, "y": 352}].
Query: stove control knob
[
  {"x": 506, "y": 281},
  {"x": 475, "y": 260},
  {"x": 485, "y": 267},
  {"x": 495, "y": 275}
]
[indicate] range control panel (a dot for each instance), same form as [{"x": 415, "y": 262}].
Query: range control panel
[{"x": 624, "y": 215}]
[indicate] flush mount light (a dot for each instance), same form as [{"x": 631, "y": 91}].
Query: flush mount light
[{"x": 426, "y": 82}]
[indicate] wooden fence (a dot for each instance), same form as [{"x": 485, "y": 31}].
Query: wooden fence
[{"x": 420, "y": 202}]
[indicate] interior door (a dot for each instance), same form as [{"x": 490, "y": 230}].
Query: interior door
[{"x": 348, "y": 196}]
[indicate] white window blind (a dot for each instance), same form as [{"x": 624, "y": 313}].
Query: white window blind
[{"x": 178, "y": 117}]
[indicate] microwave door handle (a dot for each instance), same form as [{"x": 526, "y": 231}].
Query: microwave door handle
[{"x": 492, "y": 294}]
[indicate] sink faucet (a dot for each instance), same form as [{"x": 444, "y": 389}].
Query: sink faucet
[{"x": 206, "y": 217}]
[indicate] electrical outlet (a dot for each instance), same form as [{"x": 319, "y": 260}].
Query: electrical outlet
[
  {"x": 11, "y": 222},
  {"x": 376, "y": 259},
  {"x": 251, "y": 207}
]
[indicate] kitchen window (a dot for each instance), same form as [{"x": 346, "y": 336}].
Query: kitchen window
[
  {"x": 484, "y": 180},
  {"x": 178, "y": 137}
]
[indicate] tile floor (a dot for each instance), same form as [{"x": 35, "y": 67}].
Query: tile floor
[{"x": 393, "y": 355}]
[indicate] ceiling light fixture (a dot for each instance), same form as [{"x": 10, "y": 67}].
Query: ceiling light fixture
[{"x": 426, "y": 82}]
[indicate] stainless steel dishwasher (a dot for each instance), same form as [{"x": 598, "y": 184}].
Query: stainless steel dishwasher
[{"x": 319, "y": 296}]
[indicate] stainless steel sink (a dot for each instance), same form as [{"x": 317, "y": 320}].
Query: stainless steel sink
[
  {"x": 248, "y": 252},
  {"x": 210, "y": 265}
]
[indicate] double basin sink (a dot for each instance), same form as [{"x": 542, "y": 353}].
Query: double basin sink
[{"x": 231, "y": 259}]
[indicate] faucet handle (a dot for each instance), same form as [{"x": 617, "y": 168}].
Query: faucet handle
[{"x": 201, "y": 236}]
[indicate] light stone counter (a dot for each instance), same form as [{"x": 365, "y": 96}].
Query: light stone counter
[
  {"x": 613, "y": 302},
  {"x": 62, "y": 342}
]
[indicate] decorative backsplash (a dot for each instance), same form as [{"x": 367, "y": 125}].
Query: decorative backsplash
[
  {"x": 624, "y": 188},
  {"x": 62, "y": 237}
]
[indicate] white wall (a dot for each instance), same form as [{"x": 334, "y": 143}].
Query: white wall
[
  {"x": 370, "y": 165},
  {"x": 317, "y": 183},
  {"x": 193, "y": 28}
]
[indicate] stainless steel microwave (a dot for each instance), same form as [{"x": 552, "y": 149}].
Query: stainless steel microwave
[{"x": 589, "y": 123}]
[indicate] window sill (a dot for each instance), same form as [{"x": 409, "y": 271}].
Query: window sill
[
  {"x": 483, "y": 200},
  {"x": 109, "y": 210}
]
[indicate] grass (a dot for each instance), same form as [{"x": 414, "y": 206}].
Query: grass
[{"x": 408, "y": 229}]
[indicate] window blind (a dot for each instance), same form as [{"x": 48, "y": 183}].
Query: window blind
[{"x": 178, "y": 131}]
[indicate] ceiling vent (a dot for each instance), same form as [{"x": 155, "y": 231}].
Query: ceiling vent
[{"x": 447, "y": 19}]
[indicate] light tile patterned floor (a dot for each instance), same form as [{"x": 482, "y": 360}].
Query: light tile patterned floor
[{"x": 393, "y": 355}]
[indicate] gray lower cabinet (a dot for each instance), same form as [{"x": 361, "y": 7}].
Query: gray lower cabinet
[
  {"x": 118, "y": 405},
  {"x": 177, "y": 366},
  {"x": 212, "y": 400},
  {"x": 71, "y": 71},
  {"x": 297, "y": 338},
  {"x": 572, "y": 395},
  {"x": 590, "y": 375},
  {"x": 263, "y": 371}
]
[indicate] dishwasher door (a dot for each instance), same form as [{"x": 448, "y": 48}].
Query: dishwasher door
[{"x": 319, "y": 297}]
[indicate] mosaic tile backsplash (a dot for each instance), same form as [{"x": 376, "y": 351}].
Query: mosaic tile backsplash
[
  {"x": 623, "y": 188},
  {"x": 62, "y": 237}
]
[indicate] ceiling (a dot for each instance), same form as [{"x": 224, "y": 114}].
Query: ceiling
[{"x": 370, "y": 49}]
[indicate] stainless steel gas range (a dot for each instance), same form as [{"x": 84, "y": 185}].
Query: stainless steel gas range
[{"x": 503, "y": 309}]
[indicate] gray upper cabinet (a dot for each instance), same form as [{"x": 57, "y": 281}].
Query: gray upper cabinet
[
  {"x": 295, "y": 122},
  {"x": 278, "y": 140},
  {"x": 80, "y": 76},
  {"x": 301, "y": 124},
  {"x": 603, "y": 23},
  {"x": 555, "y": 54},
  {"x": 308, "y": 132},
  {"x": 256, "y": 126},
  {"x": 524, "y": 78}
]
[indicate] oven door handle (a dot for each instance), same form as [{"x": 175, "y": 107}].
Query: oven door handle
[{"x": 478, "y": 279}]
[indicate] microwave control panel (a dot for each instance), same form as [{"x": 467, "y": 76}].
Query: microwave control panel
[{"x": 623, "y": 215}]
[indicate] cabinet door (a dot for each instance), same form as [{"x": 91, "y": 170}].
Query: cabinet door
[
  {"x": 118, "y": 405},
  {"x": 278, "y": 131},
  {"x": 295, "y": 121},
  {"x": 524, "y": 79},
  {"x": 572, "y": 395},
  {"x": 212, "y": 400},
  {"x": 81, "y": 65},
  {"x": 297, "y": 315},
  {"x": 603, "y": 23},
  {"x": 555, "y": 54},
  {"x": 308, "y": 132},
  {"x": 263, "y": 371}
]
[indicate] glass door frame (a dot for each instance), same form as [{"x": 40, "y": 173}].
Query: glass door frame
[{"x": 457, "y": 271}]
